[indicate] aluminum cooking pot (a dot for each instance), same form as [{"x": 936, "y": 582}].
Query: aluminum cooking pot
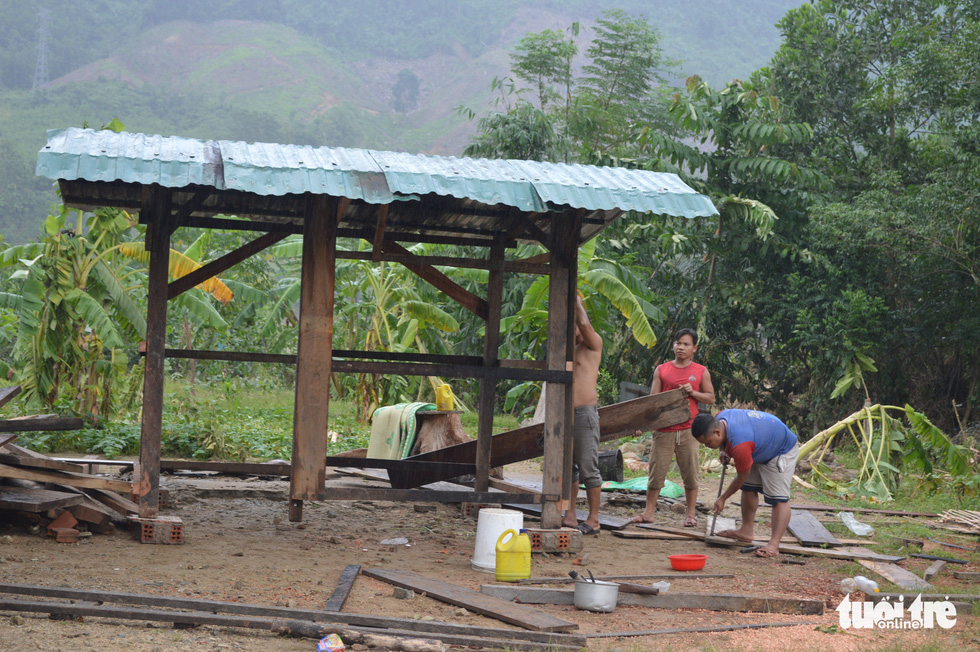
[{"x": 596, "y": 596}]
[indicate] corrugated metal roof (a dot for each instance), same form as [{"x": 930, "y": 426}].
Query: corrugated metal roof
[{"x": 373, "y": 176}]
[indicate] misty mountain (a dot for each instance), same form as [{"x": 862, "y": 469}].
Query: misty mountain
[{"x": 374, "y": 73}]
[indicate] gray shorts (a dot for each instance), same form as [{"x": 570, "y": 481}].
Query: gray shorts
[
  {"x": 773, "y": 478},
  {"x": 585, "y": 446}
]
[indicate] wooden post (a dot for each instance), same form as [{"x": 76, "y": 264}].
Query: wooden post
[
  {"x": 314, "y": 354},
  {"x": 491, "y": 352},
  {"x": 557, "y": 425},
  {"x": 155, "y": 209},
  {"x": 572, "y": 256}
]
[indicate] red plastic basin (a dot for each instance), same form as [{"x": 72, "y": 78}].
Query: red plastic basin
[{"x": 687, "y": 562}]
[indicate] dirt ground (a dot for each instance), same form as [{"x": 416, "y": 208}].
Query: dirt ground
[{"x": 240, "y": 546}]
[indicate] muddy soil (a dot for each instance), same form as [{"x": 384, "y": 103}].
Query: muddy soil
[{"x": 240, "y": 546}]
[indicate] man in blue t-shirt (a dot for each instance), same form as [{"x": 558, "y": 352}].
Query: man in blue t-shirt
[{"x": 764, "y": 451}]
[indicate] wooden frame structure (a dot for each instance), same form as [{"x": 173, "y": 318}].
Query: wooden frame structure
[{"x": 385, "y": 199}]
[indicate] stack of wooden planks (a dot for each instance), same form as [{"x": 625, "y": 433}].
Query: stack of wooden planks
[{"x": 38, "y": 490}]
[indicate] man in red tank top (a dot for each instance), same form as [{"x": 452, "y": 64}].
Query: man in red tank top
[{"x": 695, "y": 380}]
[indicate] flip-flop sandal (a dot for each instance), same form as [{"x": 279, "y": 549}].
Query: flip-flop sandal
[
  {"x": 586, "y": 529},
  {"x": 762, "y": 553},
  {"x": 637, "y": 520},
  {"x": 691, "y": 522}
]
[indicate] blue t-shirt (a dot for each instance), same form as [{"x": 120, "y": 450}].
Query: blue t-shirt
[{"x": 755, "y": 436}]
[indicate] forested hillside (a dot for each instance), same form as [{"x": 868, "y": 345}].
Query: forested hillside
[{"x": 350, "y": 74}]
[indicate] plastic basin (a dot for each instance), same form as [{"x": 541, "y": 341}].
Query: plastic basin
[{"x": 687, "y": 562}]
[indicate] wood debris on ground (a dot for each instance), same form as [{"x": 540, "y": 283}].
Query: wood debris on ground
[{"x": 70, "y": 503}]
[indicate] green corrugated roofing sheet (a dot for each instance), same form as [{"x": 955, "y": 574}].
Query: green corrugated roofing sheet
[{"x": 373, "y": 176}]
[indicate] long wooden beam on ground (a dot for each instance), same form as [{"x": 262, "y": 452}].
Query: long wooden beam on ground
[
  {"x": 672, "y": 600},
  {"x": 894, "y": 573},
  {"x": 564, "y": 579},
  {"x": 344, "y": 586},
  {"x": 616, "y": 421},
  {"x": 504, "y": 610},
  {"x": 805, "y": 527},
  {"x": 245, "y": 609}
]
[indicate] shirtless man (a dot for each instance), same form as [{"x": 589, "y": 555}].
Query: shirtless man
[{"x": 585, "y": 433}]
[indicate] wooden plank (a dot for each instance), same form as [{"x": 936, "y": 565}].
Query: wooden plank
[
  {"x": 488, "y": 606},
  {"x": 98, "y": 517},
  {"x": 805, "y": 527},
  {"x": 564, "y": 579},
  {"x": 7, "y": 437},
  {"x": 114, "y": 501},
  {"x": 934, "y": 569},
  {"x": 891, "y": 572},
  {"x": 7, "y": 394},
  {"x": 424, "y": 496},
  {"x": 64, "y": 477},
  {"x": 314, "y": 354},
  {"x": 606, "y": 521},
  {"x": 39, "y": 463},
  {"x": 631, "y": 534},
  {"x": 35, "y": 500},
  {"x": 856, "y": 510},
  {"x": 36, "y": 424},
  {"x": 344, "y": 586},
  {"x": 616, "y": 421},
  {"x": 672, "y": 600},
  {"x": 964, "y": 575},
  {"x": 783, "y": 547},
  {"x": 246, "y": 609},
  {"x": 233, "y": 468},
  {"x": 388, "y": 639}
]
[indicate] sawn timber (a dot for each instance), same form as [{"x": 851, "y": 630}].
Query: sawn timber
[{"x": 616, "y": 421}]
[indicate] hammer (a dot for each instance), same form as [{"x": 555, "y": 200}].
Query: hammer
[{"x": 721, "y": 485}]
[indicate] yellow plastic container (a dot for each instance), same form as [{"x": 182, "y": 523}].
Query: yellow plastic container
[
  {"x": 444, "y": 398},
  {"x": 513, "y": 556}
]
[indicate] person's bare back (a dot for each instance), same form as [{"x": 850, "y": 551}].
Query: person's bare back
[{"x": 587, "y": 357}]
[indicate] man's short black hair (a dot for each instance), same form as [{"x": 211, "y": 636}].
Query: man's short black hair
[
  {"x": 703, "y": 424},
  {"x": 687, "y": 331}
]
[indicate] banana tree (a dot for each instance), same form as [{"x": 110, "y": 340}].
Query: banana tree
[
  {"x": 888, "y": 437},
  {"x": 75, "y": 311}
]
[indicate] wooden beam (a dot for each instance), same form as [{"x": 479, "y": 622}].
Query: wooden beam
[
  {"x": 672, "y": 600},
  {"x": 650, "y": 412},
  {"x": 441, "y": 282},
  {"x": 246, "y": 609},
  {"x": 426, "y": 495},
  {"x": 193, "y": 203},
  {"x": 233, "y": 468},
  {"x": 155, "y": 208},
  {"x": 526, "y": 266},
  {"x": 385, "y": 639},
  {"x": 379, "y": 233},
  {"x": 32, "y": 500},
  {"x": 314, "y": 358},
  {"x": 32, "y": 424},
  {"x": 344, "y": 586},
  {"x": 491, "y": 354},
  {"x": 558, "y": 396},
  {"x": 9, "y": 393},
  {"x": 565, "y": 579},
  {"x": 224, "y": 224},
  {"x": 64, "y": 477},
  {"x": 503, "y": 610},
  {"x": 217, "y": 266},
  {"x": 39, "y": 463}
]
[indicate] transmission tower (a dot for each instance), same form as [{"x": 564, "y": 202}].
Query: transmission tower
[{"x": 41, "y": 69}]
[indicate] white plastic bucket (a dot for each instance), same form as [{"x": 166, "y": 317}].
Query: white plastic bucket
[{"x": 490, "y": 525}]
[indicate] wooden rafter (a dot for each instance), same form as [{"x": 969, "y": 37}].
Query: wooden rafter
[
  {"x": 441, "y": 282},
  {"x": 379, "y": 233},
  {"x": 219, "y": 265}
]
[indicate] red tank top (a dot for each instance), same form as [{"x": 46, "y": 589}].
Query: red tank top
[{"x": 672, "y": 377}]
